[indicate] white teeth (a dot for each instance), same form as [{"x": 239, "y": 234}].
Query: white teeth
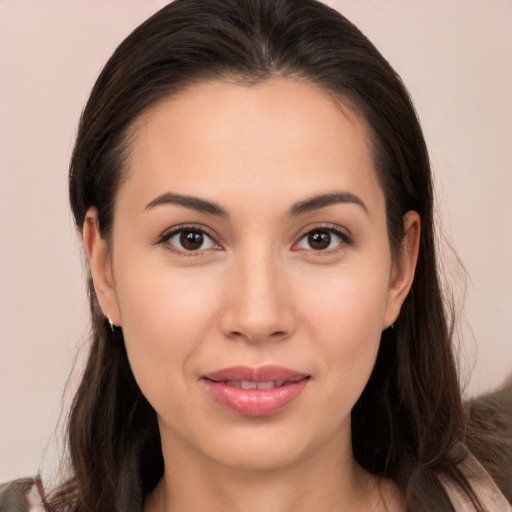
[
  {"x": 245, "y": 384},
  {"x": 266, "y": 385}
]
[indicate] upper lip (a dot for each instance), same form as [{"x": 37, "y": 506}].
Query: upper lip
[{"x": 261, "y": 374}]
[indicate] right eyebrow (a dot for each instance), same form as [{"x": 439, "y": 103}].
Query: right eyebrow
[{"x": 194, "y": 203}]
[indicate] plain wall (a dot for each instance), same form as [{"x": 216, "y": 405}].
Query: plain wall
[{"x": 454, "y": 56}]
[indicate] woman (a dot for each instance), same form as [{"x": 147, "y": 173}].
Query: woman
[{"x": 254, "y": 196}]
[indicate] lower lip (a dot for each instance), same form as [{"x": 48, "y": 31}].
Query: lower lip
[{"x": 255, "y": 402}]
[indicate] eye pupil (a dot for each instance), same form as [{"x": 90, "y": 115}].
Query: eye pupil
[
  {"x": 191, "y": 240},
  {"x": 319, "y": 240}
]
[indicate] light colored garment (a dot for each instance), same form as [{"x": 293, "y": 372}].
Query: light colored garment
[{"x": 483, "y": 486}]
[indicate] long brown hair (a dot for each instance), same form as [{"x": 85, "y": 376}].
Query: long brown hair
[{"x": 410, "y": 415}]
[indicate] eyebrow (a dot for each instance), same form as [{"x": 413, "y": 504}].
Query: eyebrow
[
  {"x": 311, "y": 204},
  {"x": 194, "y": 203},
  {"x": 323, "y": 200}
]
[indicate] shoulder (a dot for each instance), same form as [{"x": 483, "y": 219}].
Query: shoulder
[
  {"x": 482, "y": 486},
  {"x": 489, "y": 434},
  {"x": 486, "y": 460},
  {"x": 21, "y": 496}
]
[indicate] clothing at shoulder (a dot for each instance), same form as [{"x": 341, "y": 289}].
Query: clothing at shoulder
[
  {"x": 21, "y": 496},
  {"x": 24, "y": 496},
  {"x": 489, "y": 434},
  {"x": 485, "y": 489},
  {"x": 488, "y": 462}
]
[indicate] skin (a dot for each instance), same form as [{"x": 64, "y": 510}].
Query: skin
[{"x": 255, "y": 292}]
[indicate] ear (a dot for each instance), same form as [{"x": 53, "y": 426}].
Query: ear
[
  {"x": 98, "y": 254},
  {"x": 403, "y": 267}
]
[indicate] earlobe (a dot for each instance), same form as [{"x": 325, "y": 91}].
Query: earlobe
[
  {"x": 98, "y": 254},
  {"x": 404, "y": 266}
]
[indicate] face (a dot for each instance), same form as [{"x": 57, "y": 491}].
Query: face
[{"x": 250, "y": 270}]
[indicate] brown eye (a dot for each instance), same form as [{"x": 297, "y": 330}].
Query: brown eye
[
  {"x": 319, "y": 240},
  {"x": 189, "y": 240},
  {"x": 323, "y": 239}
]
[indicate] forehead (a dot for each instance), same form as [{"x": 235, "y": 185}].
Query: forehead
[{"x": 282, "y": 134}]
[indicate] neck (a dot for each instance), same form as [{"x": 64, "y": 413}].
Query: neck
[{"x": 324, "y": 481}]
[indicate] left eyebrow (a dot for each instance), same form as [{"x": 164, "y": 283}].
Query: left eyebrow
[{"x": 323, "y": 200}]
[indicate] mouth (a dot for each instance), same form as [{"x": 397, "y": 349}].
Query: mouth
[
  {"x": 253, "y": 392},
  {"x": 247, "y": 384}
]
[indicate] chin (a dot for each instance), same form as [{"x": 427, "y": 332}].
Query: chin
[{"x": 271, "y": 446}]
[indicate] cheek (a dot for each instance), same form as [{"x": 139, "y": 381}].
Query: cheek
[
  {"x": 350, "y": 304},
  {"x": 165, "y": 318},
  {"x": 345, "y": 322}
]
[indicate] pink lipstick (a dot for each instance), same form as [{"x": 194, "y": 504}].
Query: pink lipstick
[{"x": 255, "y": 391}]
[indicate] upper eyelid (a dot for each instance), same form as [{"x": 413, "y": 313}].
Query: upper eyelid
[
  {"x": 344, "y": 232},
  {"x": 170, "y": 232}
]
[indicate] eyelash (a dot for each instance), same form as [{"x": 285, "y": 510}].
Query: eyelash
[
  {"x": 345, "y": 239},
  {"x": 164, "y": 239}
]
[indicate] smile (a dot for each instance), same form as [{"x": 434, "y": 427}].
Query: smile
[{"x": 255, "y": 391}]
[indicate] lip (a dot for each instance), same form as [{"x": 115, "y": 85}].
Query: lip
[{"x": 221, "y": 385}]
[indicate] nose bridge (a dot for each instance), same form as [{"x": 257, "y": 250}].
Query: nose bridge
[{"x": 259, "y": 304}]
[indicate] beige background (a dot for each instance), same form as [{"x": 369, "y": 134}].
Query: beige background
[{"x": 454, "y": 56}]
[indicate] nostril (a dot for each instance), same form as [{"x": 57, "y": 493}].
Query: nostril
[{"x": 258, "y": 336}]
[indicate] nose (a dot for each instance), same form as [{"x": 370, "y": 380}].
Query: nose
[{"x": 259, "y": 302}]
